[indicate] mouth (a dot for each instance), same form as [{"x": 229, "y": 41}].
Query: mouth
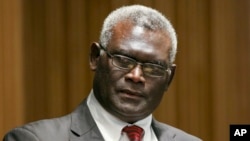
[{"x": 131, "y": 93}]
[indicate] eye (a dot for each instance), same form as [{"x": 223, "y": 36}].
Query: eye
[
  {"x": 147, "y": 69},
  {"x": 123, "y": 61},
  {"x": 152, "y": 69}
]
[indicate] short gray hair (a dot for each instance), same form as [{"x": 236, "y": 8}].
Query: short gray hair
[{"x": 142, "y": 16}]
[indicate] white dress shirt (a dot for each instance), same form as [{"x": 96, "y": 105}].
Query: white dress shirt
[{"x": 111, "y": 127}]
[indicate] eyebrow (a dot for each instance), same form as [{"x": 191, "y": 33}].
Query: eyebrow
[{"x": 161, "y": 63}]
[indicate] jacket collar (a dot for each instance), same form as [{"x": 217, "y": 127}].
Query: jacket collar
[
  {"x": 162, "y": 132},
  {"x": 83, "y": 125}
]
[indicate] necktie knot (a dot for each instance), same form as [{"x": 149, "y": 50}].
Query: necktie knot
[{"x": 134, "y": 133}]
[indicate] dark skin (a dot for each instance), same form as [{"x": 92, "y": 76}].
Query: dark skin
[{"x": 129, "y": 94}]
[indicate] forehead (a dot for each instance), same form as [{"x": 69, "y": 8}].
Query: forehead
[{"x": 140, "y": 42}]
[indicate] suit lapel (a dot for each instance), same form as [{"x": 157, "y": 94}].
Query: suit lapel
[
  {"x": 83, "y": 126},
  {"x": 162, "y": 133}
]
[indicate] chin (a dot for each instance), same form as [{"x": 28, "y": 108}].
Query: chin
[{"x": 130, "y": 114}]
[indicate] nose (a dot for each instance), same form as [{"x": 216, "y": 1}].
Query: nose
[{"x": 136, "y": 75}]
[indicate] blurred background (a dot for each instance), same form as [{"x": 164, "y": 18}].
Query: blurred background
[{"x": 44, "y": 72}]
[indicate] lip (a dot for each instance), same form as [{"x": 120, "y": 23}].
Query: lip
[{"x": 131, "y": 93}]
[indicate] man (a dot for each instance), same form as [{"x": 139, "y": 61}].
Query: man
[{"x": 133, "y": 65}]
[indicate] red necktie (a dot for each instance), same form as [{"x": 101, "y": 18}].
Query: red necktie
[{"x": 134, "y": 133}]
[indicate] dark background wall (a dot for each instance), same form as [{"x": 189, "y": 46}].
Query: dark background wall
[{"x": 44, "y": 72}]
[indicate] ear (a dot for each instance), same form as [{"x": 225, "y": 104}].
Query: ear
[
  {"x": 172, "y": 68},
  {"x": 94, "y": 56}
]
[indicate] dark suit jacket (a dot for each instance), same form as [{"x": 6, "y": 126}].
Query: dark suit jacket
[{"x": 80, "y": 126}]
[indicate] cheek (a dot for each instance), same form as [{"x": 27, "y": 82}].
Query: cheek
[
  {"x": 101, "y": 77},
  {"x": 156, "y": 91},
  {"x": 107, "y": 76}
]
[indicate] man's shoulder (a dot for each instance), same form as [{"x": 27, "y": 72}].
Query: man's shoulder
[
  {"x": 47, "y": 129},
  {"x": 173, "y": 132},
  {"x": 49, "y": 124},
  {"x": 63, "y": 128}
]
